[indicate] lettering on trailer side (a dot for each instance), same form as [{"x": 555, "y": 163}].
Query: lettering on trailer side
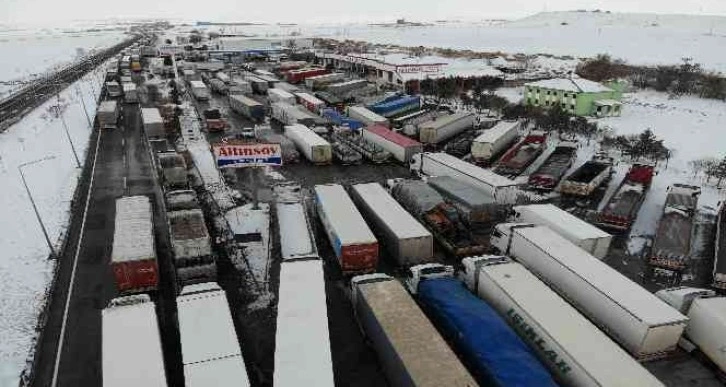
[{"x": 528, "y": 333}]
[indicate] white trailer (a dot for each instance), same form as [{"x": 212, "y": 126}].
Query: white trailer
[
  {"x": 355, "y": 246},
  {"x": 153, "y": 122},
  {"x": 313, "y": 83},
  {"x": 576, "y": 351},
  {"x": 588, "y": 237},
  {"x": 311, "y": 102},
  {"x": 108, "y": 114},
  {"x": 296, "y": 238},
  {"x": 494, "y": 141},
  {"x": 279, "y": 95},
  {"x": 410, "y": 349},
  {"x": 294, "y": 114},
  {"x": 211, "y": 354},
  {"x": 114, "y": 89},
  {"x": 445, "y": 127},
  {"x": 131, "y": 347},
  {"x": 366, "y": 116},
  {"x": 302, "y": 343},
  {"x": 199, "y": 90},
  {"x": 400, "y": 146},
  {"x": 408, "y": 242},
  {"x": 314, "y": 147},
  {"x": 646, "y": 326},
  {"x": 502, "y": 189},
  {"x": 130, "y": 93}
]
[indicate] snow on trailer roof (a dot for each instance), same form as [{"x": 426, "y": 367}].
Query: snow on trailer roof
[
  {"x": 392, "y": 136},
  {"x": 472, "y": 170},
  {"x": 343, "y": 215},
  {"x": 151, "y": 115},
  {"x": 295, "y": 238},
  {"x": 199, "y": 84},
  {"x": 128, "y": 86},
  {"x": 210, "y": 351},
  {"x": 493, "y": 134},
  {"x": 577, "y": 227},
  {"x": 280, "y": 93},
  {"x": 245, "y": 100},
  {"x": 310, "y": 137},
  {"x": 398, "y": 220},
  {"x": 630, "y": 296},
  {"x": 367, "y": 113},
  {"x": 133, "y": 237},
  {"x": 468, "y": 193},
  {"x": 577, "y": 85},
  {"x": 302, "y": 343},
  {"x": 107, "y": 106},
  {"x": 310, "y": 98},
  {"x": 131, "y": 348},
  {"x": 442, "y": 121}
]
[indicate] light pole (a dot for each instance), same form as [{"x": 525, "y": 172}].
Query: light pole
[
  {"x": 32, "y": 202},
  {"x": 65, "y": 127}
]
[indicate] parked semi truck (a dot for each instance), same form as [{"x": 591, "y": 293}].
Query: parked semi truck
[
  {"x": 475, "y": 206},
  {"x": 494, "y": 141},
  {"x": 370, "y": 150},
  {"x": 588, "y": 177},
  {"x": 247, "y": 107},
  {"x": 410, "y": 350},
  {"x": 295, "y": 114},
  {"x": 153, "y": 122},
  {"x": 719, "y": 262},
  {"x": 191, "y": 246},
  {"x": 199, "y": 90},
  {"x": 401, "y": 147},
  {"x": 319, "y": 81},
  {"x": 583, "y": 234},
  {"x": 172, "y": 170},
  {"x": 490, "y": 349},
  {"x": 131, "y": 347},
  {"x": 405, "y": 239},
  {"x": 108, "y": 114},
  {"x": 279, "y": 95},
  {"x": 211, "y": 354},
  {"x": 313, "y": 147},
  {"x": 550, "y": 172},
  {"x": 398, "y": 106},
  {"x": 345, "y": 87},
  {"x": 672, "y": 245},
  {"x": 310, "y": 102},
  {"x": 214, "y": 120},
  {"x": 113, "y": 89},
  {"x": 445, "y": 127},
  {"x": 131, "y": 94},
  {"x": 366, "y": 116},
  {"x": 299, "y": 75},
  {"x": 302, "y": 343},
  {"x": 290, "y": 155},
  {"x": 441, "y": 218},
  {"x": 516, "y": 160},
  {"x": 576, "y": 352},
  {"x": 629, "y": 314},
  {"x": 133, "y": 253},
  {"x": 354, "y": 244},
  {"x": 502, "y": 189},
  {"x": 622, "y": 207},
  {"x": 341, "y": 120},
  {"x": 707, "y": 320}
]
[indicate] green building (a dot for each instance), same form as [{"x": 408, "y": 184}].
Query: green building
[{"x": 577, "y": 96}]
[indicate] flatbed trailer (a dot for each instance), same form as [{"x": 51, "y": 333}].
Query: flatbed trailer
[
  {"x": 622, "y": 208},
  {"x": 549, "y": 174},
  {"x": 521, "y": 155},
  {"x": 672, "y": 246}
]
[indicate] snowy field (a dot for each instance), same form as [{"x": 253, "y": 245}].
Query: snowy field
[
  {"x": 25, "y": 270},
  {"x": 28, "y": 52}
]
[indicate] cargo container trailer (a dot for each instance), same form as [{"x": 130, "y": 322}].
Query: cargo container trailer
[
  {"x": 575, "y": 351},
  {"x": 172, "y": 170},
  {"x": 672, "y": 245},
  {"x": 291, "y": 65},
  {"x": 247, "y": 107},
  {"x": 551, "y": 171},
  {"x": 341, "y": 120},
  {"x": 403, "y": 237},
  {"x": 191, "y": 246},
  {"x": 488, "y": 145},
  {"x": 133, "y": 253},
  {"x": 108, "y": 114},
  {"x": 113, "y": 89},
  {"x": 312, "y": 146},
  {"x": 445, "y": 127},
  {"x": 211, "y": 354},
  {"x": 355, "y": 246},
  {"x": 259, "y": 86},
  {"x": 366, "y": 116},
  {"x": 398, "y": 106},
  {"x": 410, "y": 350},
  {"x": 588, "y": 177},
  {"x": 516, "y": 160},
  {"x": 295, "y": 114},
  {"x": 586, "y": 236},
  {"x": 331, "y": 100},
  {"x": 299, "y": 75},
  {"x": 342, "y": 88},
  {"x": 310, "y": 102},
  {"x": 490, "y": 349},
  {"x": 401, "y": 147},
  {"x": 218, "y": 87},
  {"x": 279, "y": 95},
  {"x": 199, "y": 90},
  {"x": 622, "y": 207},
  {"x": 292, "y": 89},
  {"x": 153, "y": 122},
  {"x": 130, "y": 92},
  {"x": 640, "y": 322},
  {"x": 131, "y": 351},
  {"x": 319, "y": 81},
  {"x": 271, "y": 80},
  {"x": 476, "y": 207}
]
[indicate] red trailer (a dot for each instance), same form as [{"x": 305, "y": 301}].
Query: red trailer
[
  {"x": 297, "y": 76},
  {"x": 133, "y": 257},
  {"x": 522, "y": 154},
  {"x": 622, "y": 208}
]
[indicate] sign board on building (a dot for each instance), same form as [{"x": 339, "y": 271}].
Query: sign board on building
[{"x": 247, "y": 155}]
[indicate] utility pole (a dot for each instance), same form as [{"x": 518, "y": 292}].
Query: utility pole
[
  {"x": 83, "y": 103},
  {"x": 65, "y": 127},
  {"x": 32, "y": 202}
]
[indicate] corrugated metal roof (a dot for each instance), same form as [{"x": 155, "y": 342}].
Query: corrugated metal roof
[{"x": 577, "y": 85}]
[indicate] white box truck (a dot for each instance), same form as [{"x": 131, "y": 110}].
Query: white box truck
[
  {"x": 502, "y": 189},
  {"x": 445, "y": 127},
  {"x": 108, "y": 114},
  {"x": 410, "y": 349},
  {"x": 153, "y": 123},
  {"x": 199, "y": 90},
  {"x": 494, "y": 141},
  {"x": 405, "y": 239},
  {"x": 355, "y": 246},
  {"x": 314, "y": 147},
  {"x": 211, "y": 353},
  {"x": 366, "y": 116},
  {"x": 646, "y": 326},
  {"x": 576, "y": 352},
  {"x": 588, "y": 237},
  {"x": 279, "y": 95},
  {"x": 131, "y": 347}
]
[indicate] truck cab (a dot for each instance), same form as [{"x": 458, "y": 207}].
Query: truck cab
[
  {"x": 418, "y": 273},
  {"x": 682, "y": 297},
  {"x": 214, "y": 120},
  {"x": 502, "y": 234}
]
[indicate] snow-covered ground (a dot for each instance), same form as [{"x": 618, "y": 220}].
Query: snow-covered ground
[
  {"x": 25, "y": 270},
  {"x": 28, "y": 52}
]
